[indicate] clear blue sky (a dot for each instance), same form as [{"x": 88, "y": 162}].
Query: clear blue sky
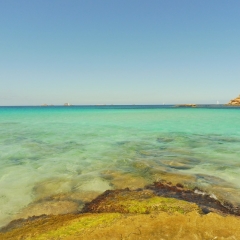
[{"x": 119, "y": 51}]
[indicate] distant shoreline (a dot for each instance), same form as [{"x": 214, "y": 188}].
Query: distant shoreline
[{"x": 130, "y": 106}]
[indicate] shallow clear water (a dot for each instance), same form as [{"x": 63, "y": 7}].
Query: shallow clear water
[{"x": 51, "y": 150}]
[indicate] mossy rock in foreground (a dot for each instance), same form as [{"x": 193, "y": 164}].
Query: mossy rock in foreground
[
  {"x": 157, "y": 204},
  {"x": 128, "y": 214},
  {"x": 59, "y": 226},
  {"x": 140, "y": 202},
  {"x": 129, "y": 226}
]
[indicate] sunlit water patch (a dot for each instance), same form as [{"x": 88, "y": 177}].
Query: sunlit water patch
[{"x": 60, "y": 156}]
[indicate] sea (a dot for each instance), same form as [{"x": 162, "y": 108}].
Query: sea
[{"x": 60, "y": 150}]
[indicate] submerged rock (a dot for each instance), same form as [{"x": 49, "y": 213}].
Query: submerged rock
[
  {"x": 120, "y": 180},
  {"x": 158, "y": 174},
  {"x": 51, "y": 186},
  {"x": 82, "y": 196},
  {"x": 96, "y": 184},
  {"x": 49, "y": 208},
  {"x": 64, "y": 203},
  {"x": 211, "y": 181},
  {"x": 180, "y": 163}
]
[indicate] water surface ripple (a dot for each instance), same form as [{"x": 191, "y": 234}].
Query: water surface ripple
[{"x": 47, "y": 151}]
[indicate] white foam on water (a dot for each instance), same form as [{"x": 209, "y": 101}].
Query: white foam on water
[{"x": 199, "y": 192}]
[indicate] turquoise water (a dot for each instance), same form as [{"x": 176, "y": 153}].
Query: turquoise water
[{"x": 46, "y": 151}]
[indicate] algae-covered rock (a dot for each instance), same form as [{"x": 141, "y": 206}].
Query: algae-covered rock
[
  {"x": 157, "y": 204},
  {"x": 59, "y": 226},
  {"x": 145, "y": 201},
  {"x": 130, "y": 214},
  {"x": 110, "y": 226}
]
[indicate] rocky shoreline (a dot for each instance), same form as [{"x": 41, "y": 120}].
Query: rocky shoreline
[
  {"x": 161, "y": 209},
  {"x": 207, "y": 203},
  {"x": 235, "y": 101}
]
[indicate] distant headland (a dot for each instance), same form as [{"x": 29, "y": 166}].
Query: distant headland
[
  {"x": 235, "y": 101},
  {"x": 186, "y": 105}
]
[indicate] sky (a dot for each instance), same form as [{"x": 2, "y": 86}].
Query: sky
[{"x": 119, "y": 52}]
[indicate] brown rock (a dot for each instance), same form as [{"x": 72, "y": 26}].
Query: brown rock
[{"x": 235, "y": 101}]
